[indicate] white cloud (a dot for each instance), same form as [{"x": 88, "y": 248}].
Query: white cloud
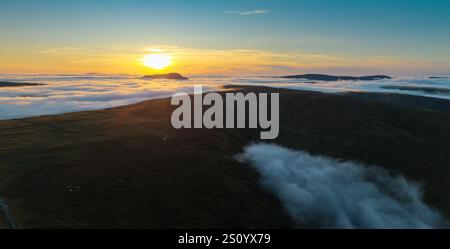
[
  {"x": 69, "y": 93},
  {"x": 62, "y": 94},
  {"x": 323, "y": 192},
  {"x": 247, "y": 13}
]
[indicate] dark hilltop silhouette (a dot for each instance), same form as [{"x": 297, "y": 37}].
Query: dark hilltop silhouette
[
  {"x": 325, "y": 77},
  {"x": 438, "y": 77},
  {"x": 16, "y": 84},
  {"x": 430, "y": 90},
  {"x": 169, "y": 76}
]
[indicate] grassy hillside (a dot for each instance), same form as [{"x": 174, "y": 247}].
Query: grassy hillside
[{"x": 127, "y": 166}]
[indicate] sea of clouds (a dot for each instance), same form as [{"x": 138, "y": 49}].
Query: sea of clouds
[
  {"x": 358, "y": 86},
  {"x": 70, "y": 93},
  {"x": 322, "y": 192}
]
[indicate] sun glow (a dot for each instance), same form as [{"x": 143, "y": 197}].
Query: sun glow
[{"x": 157, "y": 61}]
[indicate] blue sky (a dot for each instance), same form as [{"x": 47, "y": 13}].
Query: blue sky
[{"x": 416, "y": 30}]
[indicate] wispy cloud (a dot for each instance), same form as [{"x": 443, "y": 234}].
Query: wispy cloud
[{"x": 247, "y": 13}]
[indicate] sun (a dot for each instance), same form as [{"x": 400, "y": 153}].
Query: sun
[{"x": 157, "y": 61}]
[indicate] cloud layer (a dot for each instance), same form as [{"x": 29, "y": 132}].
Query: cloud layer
[
  {"x": 62, "y": 94},
  {"x": 402, "y": 85},
  {"x": 322, "y": 192},
  {"x": 69, "y": 93}
]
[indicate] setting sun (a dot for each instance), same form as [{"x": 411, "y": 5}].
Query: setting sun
[{"x": 157, "y": 61}]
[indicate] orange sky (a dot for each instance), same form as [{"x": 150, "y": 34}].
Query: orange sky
[
  {"x": 226, "y": 37},
  {"x": 127, "y": 59}
]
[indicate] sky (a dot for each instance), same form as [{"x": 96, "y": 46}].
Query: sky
[{"x": 251, "y": 37}]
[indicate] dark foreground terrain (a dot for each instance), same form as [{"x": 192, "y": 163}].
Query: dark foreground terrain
[{"x": 128, "y": 168}]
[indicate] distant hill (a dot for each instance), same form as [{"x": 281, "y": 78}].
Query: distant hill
[
  {"x": 169, "y": 76},
  {"x": 16, "y": 84},
  {"x": 430, "y": 90},
  {"x": 325, "y": 77}
]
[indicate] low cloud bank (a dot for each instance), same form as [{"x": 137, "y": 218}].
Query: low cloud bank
[
  {"x": 71, "y": 93},
  {"x": 409, "y": 85},
  {"x": 322, "y": 192},
  {"x": 62, "y": 94}
]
